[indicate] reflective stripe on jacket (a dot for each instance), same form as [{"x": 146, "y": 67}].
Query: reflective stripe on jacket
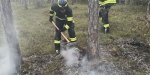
[{"x": 107, "y": 2}]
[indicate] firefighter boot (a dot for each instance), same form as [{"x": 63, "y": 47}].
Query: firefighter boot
[
  {"x": 57, "y": 48},
  {"x": 106, "y": 29}
]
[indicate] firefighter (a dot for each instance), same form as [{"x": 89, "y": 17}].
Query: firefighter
[
  {"x": 64, "y": 21},
  {"x": 103, "y": 13}
]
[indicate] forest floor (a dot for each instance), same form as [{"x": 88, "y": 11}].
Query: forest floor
[
  {"x": 124, "y": 51},
  {"x": 123, "y": 57}
]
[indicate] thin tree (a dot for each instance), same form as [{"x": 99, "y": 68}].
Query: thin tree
[
  {"x": 10, "y": 33},
  {"x": 38, "y": 3},
  {"x": 148, "y": 10},
  {"x": 25, "y": 4},
  {"x": 126, "y": 2},
  {"x": 93, "y": 30}
]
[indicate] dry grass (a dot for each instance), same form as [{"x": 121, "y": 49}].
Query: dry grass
[
  {"x": 36, "y": 33},
  {"x": 127, "y": 22}
]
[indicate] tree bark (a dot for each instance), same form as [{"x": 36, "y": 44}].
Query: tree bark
[
  {"x": 93, "y": 30},
  {"x": 38, "y": 3},
  {"x": 25, "y": 4},
  {"x": 10, "y": 33},
  {"x": 148, "y": 11},
  {"x": 148, "y": 8},
  {"x": 126, "y": 2}
]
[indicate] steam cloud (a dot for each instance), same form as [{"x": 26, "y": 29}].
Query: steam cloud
[
  {"x": 9, "y": 60},
  {"x": 100, "y": 68},
  {"x": 71, "y": 56}
]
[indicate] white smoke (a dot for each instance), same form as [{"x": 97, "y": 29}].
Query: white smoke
[
  {"x": 8, "y": 61},
  {"x": 71, "y": 56},
  {"x": 85, "y": 67}
]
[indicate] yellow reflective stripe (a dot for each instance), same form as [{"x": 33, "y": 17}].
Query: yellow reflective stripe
[
  {"x": 73, "y": 39},
  {"x": 66, "y": 26},
  {"x": 56, "y": 42},
  {"x": 50, "y": 9},
  {"x": 51, "y": 14},
  {"x": 107, "y": 2},
  {"x": 59, "y": 5},
  {"x": 69, "y": 18},
  {"x": 110, "y": 1},
  {"x": 101, "y": 3},
  {"x": 60, "y": 18},
  {"x": 66, "y": 4},
  {"x": 106, "y": 25}
]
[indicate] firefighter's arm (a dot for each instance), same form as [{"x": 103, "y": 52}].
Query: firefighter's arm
[{"x": 51, "y": 14}]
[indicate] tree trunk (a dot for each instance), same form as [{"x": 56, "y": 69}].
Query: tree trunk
[
  {"x": 126, "y": 2},
  {"x": 131, "y": 2},
  {"x": 120, "y": 1},
  {"x": 38, "y": 3},
  {"x": 148, "y": 8},
  {"x": 21, "y": 2},
  {"x": 25, "y": 4},
  {"x": 93, "y": 30},
  {"x": 148, "y": 11},
  {"x": 10, "y": 33}
]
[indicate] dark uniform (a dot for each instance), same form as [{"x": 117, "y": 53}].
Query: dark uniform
[
  {"x": 103, "y": 13},
  {"x": 64, "y": 21}
]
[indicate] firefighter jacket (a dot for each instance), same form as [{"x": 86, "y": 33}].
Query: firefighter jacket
[
  {"x": 107, "y": 2},
  {"x": 67, "y": 15}
]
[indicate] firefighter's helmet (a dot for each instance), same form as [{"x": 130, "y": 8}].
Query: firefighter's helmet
[{"x": 62, "y": 4}]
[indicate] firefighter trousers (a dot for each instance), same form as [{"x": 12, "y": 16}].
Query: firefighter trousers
[
  {"x": 103, "y": 13},
  {"x": 60, "y": 24}
]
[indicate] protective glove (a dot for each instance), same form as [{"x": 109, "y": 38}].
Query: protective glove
[{"x": 51, "y": 19}]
